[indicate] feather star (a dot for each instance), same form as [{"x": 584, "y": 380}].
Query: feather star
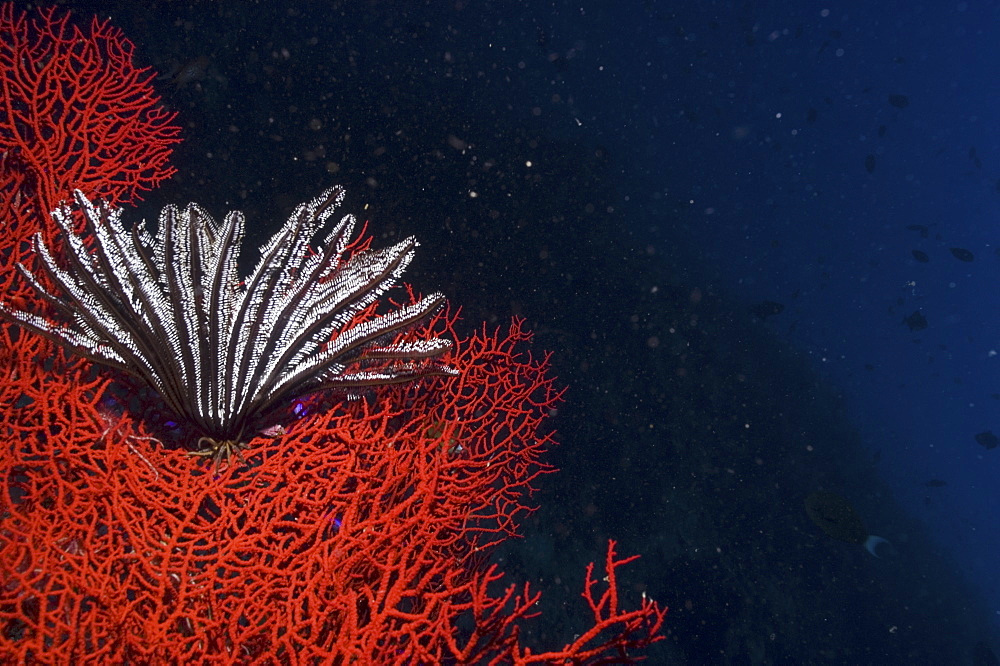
[{"x": 171, "y": 311}]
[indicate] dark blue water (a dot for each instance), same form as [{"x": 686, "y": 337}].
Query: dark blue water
[
  {"x": 809, "y": 142},
  {"x": 790, "y": 105},
  {"x": 817, "y": 148},
  {"x": 634, "y": 178}
]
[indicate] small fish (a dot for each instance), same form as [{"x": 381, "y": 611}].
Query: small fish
[
  {"x": 919, "y": 227},
  {"x": 961, "y": 254},
  {"x": 899, "y": 101},
  {"x": 870, "y": 163},
  {"x": 975, "y": 158},
  {"x": 766, "y": 309},
  {"x": 192, "y": 71},
  {"x": 916, "y": 321},
  {"x": 837, "y": 518},
  {"x": 987, "y": 439},
  {"x": 935, "y": 483},
  {"x": 921, "y": 256}
]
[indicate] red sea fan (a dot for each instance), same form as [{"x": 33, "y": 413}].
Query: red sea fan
[
  {"x": 76, "y": 113},
  {"x": 357, "y": 535}
]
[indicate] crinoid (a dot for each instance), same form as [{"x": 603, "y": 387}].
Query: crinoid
[{"x": 224, "y": 353}]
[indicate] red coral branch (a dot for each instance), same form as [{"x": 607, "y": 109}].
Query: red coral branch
[
  {"x": 615, "y": 638},
  {"x": 359, "y": 536},
  {"x": 76, "y": 113}
]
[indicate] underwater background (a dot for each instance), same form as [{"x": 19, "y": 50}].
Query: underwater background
[{"x": 761, "y": 240}]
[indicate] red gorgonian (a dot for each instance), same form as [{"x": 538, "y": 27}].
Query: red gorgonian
[{"x": 358, "y": 534}]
